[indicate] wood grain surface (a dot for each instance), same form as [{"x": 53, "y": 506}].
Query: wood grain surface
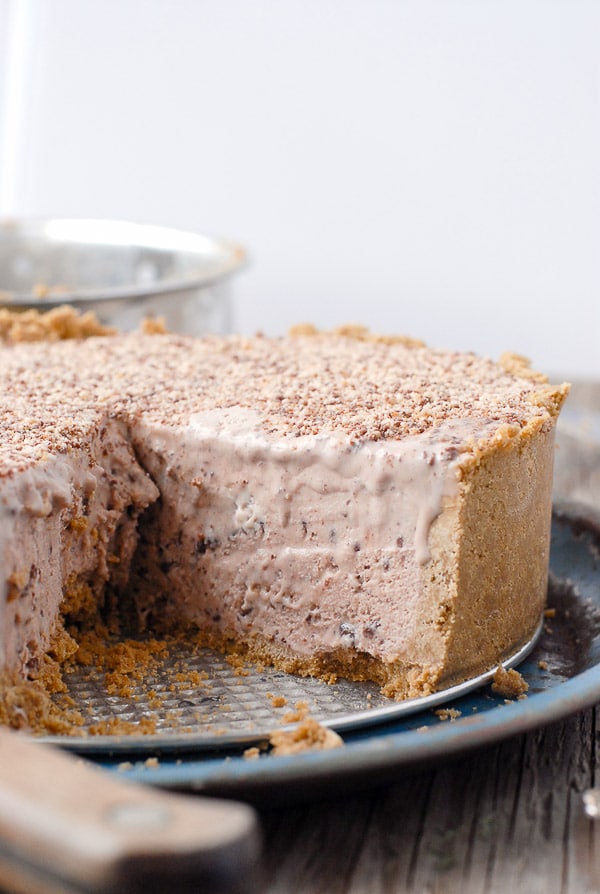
[{"x": 505, "y": 819}]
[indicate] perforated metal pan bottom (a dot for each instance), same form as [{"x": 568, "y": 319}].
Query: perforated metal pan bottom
[{"x": 230, "y": 707}]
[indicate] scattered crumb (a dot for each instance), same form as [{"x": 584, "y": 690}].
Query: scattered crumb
[
  {"x": 307, "y": 736},
  {"x": 298, "y": 715},
  {"x": 252, "y": 754},
  {"x": 509, "y": 683},
  {"x": 278, "y": 701},
  {"x": 28, "y": 705},
  {"x": 116, "y": 726},
  {"x": 543, "y": 665},
  {"x": 125, "y": 765},
  {"x": 151, "y": 763},
  {"x": 550, "y": 613},
  {"x": 422, "y": 729},
  {"x": 450, "y": 714}
]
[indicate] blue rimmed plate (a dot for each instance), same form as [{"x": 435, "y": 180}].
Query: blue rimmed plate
[{"x": 562, "y": 672}]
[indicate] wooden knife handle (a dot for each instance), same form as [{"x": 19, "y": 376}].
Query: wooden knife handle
[{"x": 68, "y": 826}]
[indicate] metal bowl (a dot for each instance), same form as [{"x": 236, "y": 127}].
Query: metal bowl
[{"x": 123, "y": 272}]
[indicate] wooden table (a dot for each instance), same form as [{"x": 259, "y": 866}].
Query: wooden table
[
  {"x": 508, "y": 818},
  {"x": 505, "y": 819}
]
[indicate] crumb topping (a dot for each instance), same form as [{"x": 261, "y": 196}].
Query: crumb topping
[{"x": 364, "y": 389}]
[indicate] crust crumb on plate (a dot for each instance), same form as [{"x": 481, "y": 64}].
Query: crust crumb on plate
[
  {"x": 307, "y": 736},
  {"x": 450, "y": 714},
  {"x": 300, "y": 713},
  {"x": 509, "y": 683}
]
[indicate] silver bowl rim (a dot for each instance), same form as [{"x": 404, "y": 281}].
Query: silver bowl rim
[{"x": 230, "y": 257}]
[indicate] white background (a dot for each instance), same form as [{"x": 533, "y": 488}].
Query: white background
[{"x": 418, "y": 166}]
